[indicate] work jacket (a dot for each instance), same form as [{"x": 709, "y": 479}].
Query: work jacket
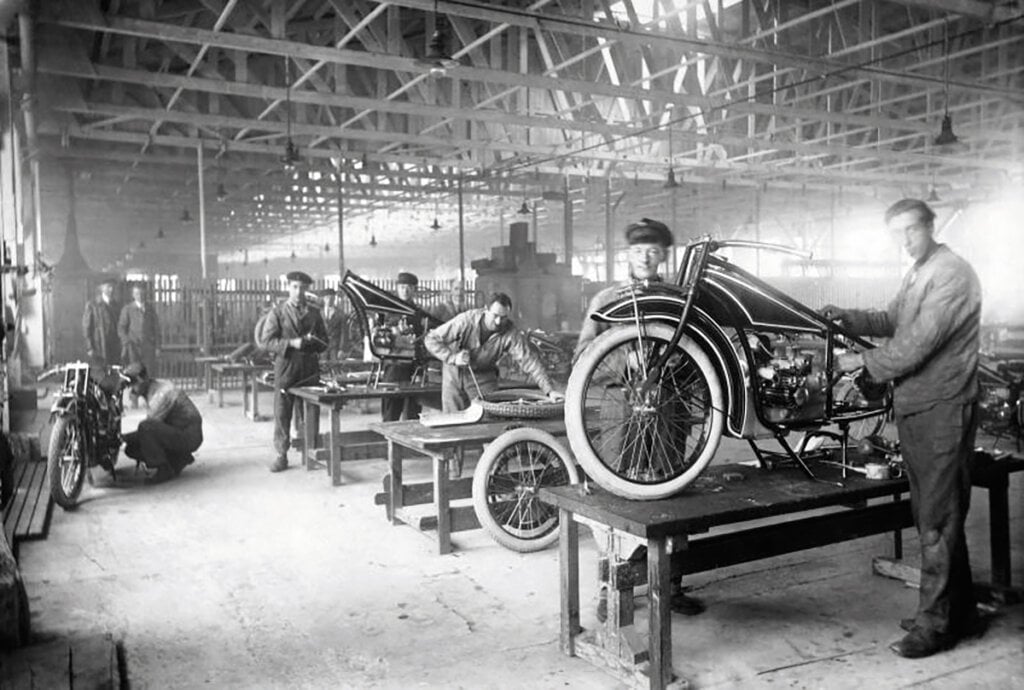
[
  {"x": 335, "y": 325},
  {"x": 293, "y": 367},
  {"x": 591, "y": 328},
  {"x": 465, "y": 332},
  {"x": 933, "y": 327},
  {"x": 99, "y": 328}
]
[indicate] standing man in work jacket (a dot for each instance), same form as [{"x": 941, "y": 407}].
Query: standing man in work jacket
[
  {"x": 295, "y": 334},
  {"x": 471, "y": 344},
  {"x": 99, "y": 327},
  {"x": 932, "y": 357}
]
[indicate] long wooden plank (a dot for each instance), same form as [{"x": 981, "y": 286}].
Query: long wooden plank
[{"x": 38, "y": 524}]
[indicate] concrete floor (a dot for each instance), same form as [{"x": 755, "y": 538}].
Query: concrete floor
[{"x": 235, "y": 577}]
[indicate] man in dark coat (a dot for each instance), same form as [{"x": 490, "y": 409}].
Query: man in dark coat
[
  {"x": 139, "y": 330},
  {"x": 295, "y": 334},
  {"x": 931, "y": 355},
  {"x": 99, "y": 327},
  {"x": 400, "y": 373},
  {"x": 334, "y": 321},
  {"x": 172, "y": 429}
]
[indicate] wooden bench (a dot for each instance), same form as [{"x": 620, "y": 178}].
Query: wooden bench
[
  {"x": 27, "y": 516},
  {"x": 675, "y": 532}
]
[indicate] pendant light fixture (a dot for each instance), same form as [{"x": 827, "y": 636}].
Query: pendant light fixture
[
  {"x": 291, "y": 157},
  {"x": 186, "y": 217},
  {"x": 160, "y": 233},
  {"x": 373, "y": 240},
  {"x": 435, "y": 226},
  {"x": 946, "y": 136},
  {"x": 437, "y": 58},
  {"x": 670, "y": 179}
]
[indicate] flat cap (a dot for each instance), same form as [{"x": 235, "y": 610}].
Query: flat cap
[
  {"x": 408, "y": 279},
  {"x": 649, "y": 231},
  {"x": 300, "y": 277},
  {"x": 135, "y": 371},
  {"x": 326, "y": 292}
]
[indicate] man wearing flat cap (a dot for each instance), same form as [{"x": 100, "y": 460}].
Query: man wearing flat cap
[
  {"x": 172, "y": 429},
  {"x": 334, "y": 321},
  {"x": 649, "y": 243},
  {"x": 294, "y": 333},
  {"x": 99, "y": 327},
  {"x": 394, "y": 409}
]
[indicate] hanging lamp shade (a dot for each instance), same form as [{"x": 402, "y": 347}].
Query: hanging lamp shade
[
  {"x": 670, "y": 180},
  {"x": 160, "y": 234},
  {"x": 524, "y": 210},
  {"x": 291, "y": 157},
  {"x": 186, "y": 217},
  {"x": 222, "y": 192},
  {"x": 373, "y": 240},
  {"x": 933, "y": 195},
  {"x": 946, "y": 136},
  {"x": 435, "y": 225}
]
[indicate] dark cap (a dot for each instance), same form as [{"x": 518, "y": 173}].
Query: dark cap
[
  {"x": 649, "y": 231},
  {"x": 299, "y": 276},
  {"x": 135, "y": 371},
  {"x": 326, "y": 292},
  {"x": 408, "y": 279}
]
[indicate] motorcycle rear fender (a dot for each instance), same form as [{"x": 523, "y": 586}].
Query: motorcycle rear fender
[{"x": 709, "y": 336}]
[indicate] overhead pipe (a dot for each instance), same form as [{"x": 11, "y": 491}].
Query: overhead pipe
[{"x": 26, "y": 32}]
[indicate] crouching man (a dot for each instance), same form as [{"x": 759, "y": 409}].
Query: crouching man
[{"x": 172, "y": 429}]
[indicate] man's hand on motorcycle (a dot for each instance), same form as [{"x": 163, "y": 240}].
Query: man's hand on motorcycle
[
  {"x": 834, "y": 313},
  {"x": 849, "y": 361},
  {"x": 461, "y": 358},
  {"x": 555, "y": 396}
]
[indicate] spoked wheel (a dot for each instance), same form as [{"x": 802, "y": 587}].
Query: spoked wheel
[
  {"x": 508, "y": 477},
  {"x": 66, "y": 462},
  {"x": 641, "y": 434}
]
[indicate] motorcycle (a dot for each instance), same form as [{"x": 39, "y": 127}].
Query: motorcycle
[
  {"x": 1001, "y": 404},
  {"x": 86, "y": 427},
  {"x": 717, "y": 351},
  {"x": 393, "y": 327}
]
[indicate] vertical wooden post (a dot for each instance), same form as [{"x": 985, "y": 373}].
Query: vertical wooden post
[
  {"x": 341, "y": 224},
  {"x": 567, "y": 228},
  {"x": 609, "y": 234},
  {"x": 202, "y": 208},
  {"x": 462, "y": 239}
]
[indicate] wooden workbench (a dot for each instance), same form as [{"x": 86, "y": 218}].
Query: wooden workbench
[
  {"x": 411, "y": 440},
  {"x": 725, "y": 495},
  {"x": 340, "y": 444},
  {"x": 250, "y": 375}
]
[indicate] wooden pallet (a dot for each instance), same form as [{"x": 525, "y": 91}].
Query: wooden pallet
[
  {"x": 93, "y": 662},
  {"x": 27, "y": 517}
]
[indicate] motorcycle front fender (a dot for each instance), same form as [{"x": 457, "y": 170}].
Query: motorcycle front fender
[
  {"x": 665, "y": 305},
  {"x": 63, "y": 405}
]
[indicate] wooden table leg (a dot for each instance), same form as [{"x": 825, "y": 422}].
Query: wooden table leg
[
  {"x": 660, "y": 621},
  {"x": 246, "y": 408},
  {"x": 395, "y": 469},
  {"x": 442, "y": 504},
  {"x": 897, "y": 535},
  {"x": 336, "y": 451},
  {"x": 569, "y": 574},
  {"x": 255, "y": 380},
  {"x": 308, "y": 431},
  {"x": 220, "y": 389},
  {"x": 999, "y": 528},
  {"x": 208, "y": 380}
]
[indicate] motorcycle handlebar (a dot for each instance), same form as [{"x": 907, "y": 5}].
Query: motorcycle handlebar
[
  {"x": 750, "y": 244},
  {"x": 50, "y": 372}
]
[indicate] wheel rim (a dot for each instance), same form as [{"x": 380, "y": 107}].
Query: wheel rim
[
  {"x": 70, "y": 463},
  {"x": 651, "y": 428},
  {"x": 513, "y": 484}
]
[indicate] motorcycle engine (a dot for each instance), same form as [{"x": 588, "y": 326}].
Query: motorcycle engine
[
  {"x": 790, "y": 377},
  {"x": 1001, "y": 411}
]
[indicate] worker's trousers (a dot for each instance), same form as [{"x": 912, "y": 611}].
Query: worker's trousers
[
  {"x": 157, "y": 443},
  {"x": 937, "y": 445},
  {"x": 394, "y": 409}
]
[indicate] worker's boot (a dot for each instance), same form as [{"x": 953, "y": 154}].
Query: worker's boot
[{"x": 280, "y": 464}]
